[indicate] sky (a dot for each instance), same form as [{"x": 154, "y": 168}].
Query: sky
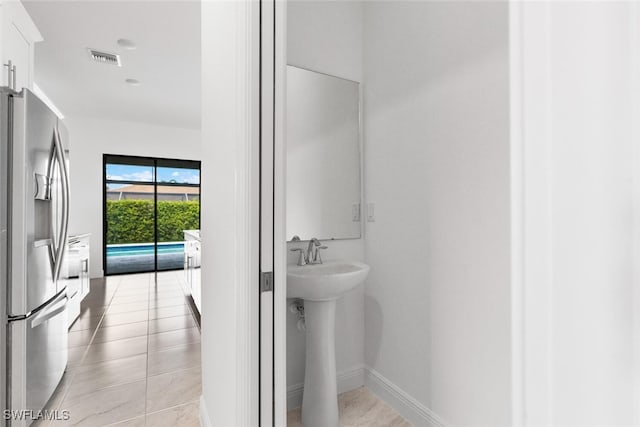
[{"x": 117, "y": 172}]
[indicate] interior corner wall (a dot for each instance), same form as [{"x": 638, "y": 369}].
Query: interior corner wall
[
  {"x": 436, "y": 112},
  {"x": 89, "y": 139},
  {"x": 326, "y": 36}
]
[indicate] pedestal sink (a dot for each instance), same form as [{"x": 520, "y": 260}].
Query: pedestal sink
[{"x": 320, "y": 285}]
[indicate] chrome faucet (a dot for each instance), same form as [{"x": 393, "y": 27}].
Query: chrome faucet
[
  {"x": 312, "y": 255},
  {"x": 312, "y": 252}
]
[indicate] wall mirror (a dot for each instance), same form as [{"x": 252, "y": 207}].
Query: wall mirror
[{"x": 323, "y": 156}]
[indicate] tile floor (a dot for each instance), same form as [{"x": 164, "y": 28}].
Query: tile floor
[
  {"x": 359, "y": 408},
  {"x": 134, "y": 361},
  {"x": 134, "y": 356}
]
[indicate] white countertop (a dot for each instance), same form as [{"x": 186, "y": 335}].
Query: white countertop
[{"x": 191, "y": 234}]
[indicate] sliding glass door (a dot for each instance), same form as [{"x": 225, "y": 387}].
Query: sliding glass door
[
  {"x": 148, "y": 203},
  {"x": 177, "y": 209}
]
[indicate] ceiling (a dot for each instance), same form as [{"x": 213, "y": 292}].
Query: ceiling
[{"x": 166, "y": 60}]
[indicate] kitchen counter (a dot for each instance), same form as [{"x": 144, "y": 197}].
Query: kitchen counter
[
  {"x": 192, "y": 235},
  {"x": 78, "y": 282},
  {"x": 192, "y": 247}
]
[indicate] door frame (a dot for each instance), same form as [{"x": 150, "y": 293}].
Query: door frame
[
  {"x": 273, "y": 249},
  {"x": 280, "y": 208},
  {"x": 230, "y": 232}
]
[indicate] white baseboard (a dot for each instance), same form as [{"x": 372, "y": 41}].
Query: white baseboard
[
  {"x": 347, "y": 380},
  {"x": 205, "y": 421},
  {"x": 398, "y": 399}
]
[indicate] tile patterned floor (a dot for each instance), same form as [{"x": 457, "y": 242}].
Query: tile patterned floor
[
  {"x": 359, "y": 408},
  {"x": 134, "y": 356}
]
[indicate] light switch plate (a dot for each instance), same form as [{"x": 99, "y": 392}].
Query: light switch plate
[
  {"x": 355, "y": 212},
  {"x": 371, "y": 212}
]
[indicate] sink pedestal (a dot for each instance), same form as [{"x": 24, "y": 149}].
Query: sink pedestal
[
  {"x": 320, "y": 285},
  {"x": 320, "y": 396}
]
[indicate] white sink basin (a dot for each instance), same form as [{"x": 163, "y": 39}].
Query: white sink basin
[{"x": 324, "y": 282}]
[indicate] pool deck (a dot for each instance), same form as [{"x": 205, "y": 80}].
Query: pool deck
[{"x": 139, "y": 263}]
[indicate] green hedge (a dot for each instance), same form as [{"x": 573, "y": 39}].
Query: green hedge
[{"x": 131, "y": 221}]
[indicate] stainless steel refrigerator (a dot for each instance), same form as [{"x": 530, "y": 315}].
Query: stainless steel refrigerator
[{"x": 34, "y": 200}]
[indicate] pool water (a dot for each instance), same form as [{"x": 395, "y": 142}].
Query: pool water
[{"x": 144, "y": 249}]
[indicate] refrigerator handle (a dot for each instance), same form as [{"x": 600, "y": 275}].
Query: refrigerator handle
[
  {"x": 64, "y": 226},
  {"x": 56, "y": 307}
]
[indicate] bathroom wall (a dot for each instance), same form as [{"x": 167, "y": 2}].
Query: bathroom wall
[
  {"x": 327, "y": 37},
  {"x": 437, "y": 301},
  {"x": 584, "y": 80},
  {"x": 89, "y": 139}
]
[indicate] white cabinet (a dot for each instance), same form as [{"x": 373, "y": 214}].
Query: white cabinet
[
  {"x": 192, "y": 247},
  {"x": 18, "y": 35},
  {"x": 195, "y": 285},
  {"x": 78, "y": 284}
]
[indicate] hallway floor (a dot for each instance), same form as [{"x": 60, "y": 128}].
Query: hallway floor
[{"x": 134, "y": 356}]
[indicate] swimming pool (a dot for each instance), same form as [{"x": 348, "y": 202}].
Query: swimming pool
[{"x": 144, "y": 249}]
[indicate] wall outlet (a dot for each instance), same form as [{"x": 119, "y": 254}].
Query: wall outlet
[{"x": 371, "y": 212}]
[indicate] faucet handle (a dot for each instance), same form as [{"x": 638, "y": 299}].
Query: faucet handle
[
  {"x": 302, "y": 259},
  {"x": 318, "y": 258}
]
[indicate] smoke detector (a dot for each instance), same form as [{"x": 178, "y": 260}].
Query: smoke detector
[{"x": 105, "y": 58}]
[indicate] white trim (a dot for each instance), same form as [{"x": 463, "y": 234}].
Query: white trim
[
  {"x": 279, "y": 225},
  {"x": 634, "y": 16},
  {"x": 347, "y": 380},
  {"x": 401, "y": 401},
  {"x": 532, "y": 228},
  {"x": 205, "y": 420},
  {"x": 248, "y": 201}
]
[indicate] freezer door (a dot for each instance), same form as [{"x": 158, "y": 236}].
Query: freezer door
[
  {"x": 39, "y": 205},
  {"x": 38, "y": 356}
]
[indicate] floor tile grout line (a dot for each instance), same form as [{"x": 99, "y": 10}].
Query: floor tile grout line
[
  {"x": 80, "y": 362},
  {"x": 121, "y": 284},
  {"x": 173, "y": 371},
  {"x": 146, "y": 385},
  {"x": 124, "y": 421},
  {"x": 91, "y": 342},
  {"x": 97, "y": 390},
  {"x": 172, "y": 407},
  {"x": 131, "y": 356}
]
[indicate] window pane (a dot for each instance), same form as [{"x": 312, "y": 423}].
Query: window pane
[
  {"x": 178, "y": 209},
  {"x": 178, "y": 175},
  {"x": 116, "y": 172},
  {"x": 130, "y": 235}
]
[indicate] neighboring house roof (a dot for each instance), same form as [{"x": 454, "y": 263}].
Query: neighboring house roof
[{"x": 148, "y": 189}]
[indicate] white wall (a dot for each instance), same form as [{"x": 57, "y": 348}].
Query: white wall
[
  {"x": 327, "y": 37},
  {"x": 437, "y": 302},
  {"x": 230, "y": 231},
  {"x": 586, "y": 78},
  {"x": 89, "y": 139}
]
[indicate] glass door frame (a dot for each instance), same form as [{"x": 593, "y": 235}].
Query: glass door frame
[{"x": 155, "y": 163}]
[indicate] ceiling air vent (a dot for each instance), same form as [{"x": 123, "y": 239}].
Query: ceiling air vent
[{"x": 105, "y": 58}]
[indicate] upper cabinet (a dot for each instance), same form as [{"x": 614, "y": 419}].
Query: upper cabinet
[{"x": 17, "y": 44}]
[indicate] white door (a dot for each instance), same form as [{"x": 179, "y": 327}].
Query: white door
[
  {"x": 267, "y": 88},
  {"x": 272, "y": 209}
]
